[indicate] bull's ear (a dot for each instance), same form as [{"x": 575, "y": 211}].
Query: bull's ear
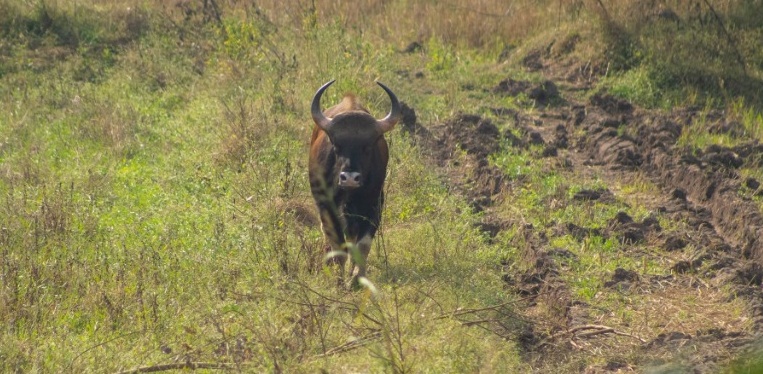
[
  {"x": 315, "y": 109},
  {"x": 395, "y": 113}
]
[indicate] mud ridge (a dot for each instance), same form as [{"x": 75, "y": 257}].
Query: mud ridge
[
  {"x": 704, "y": 191},
  {"x": 721, "y": 246},
  {"x": 459, "y": 147},
  {"x": 708, "y": 183}
]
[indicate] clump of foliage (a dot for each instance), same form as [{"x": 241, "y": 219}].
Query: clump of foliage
[{"x": 154, "y": 206}]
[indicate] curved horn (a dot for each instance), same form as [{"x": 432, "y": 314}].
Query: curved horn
[
  {"x": 320, "y": 119},
  {"x": 388, "y": 123}
]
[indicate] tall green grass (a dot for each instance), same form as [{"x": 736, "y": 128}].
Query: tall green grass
[
  {"x": 156, "y": 210},
  {"x": 155, "y": 207}
]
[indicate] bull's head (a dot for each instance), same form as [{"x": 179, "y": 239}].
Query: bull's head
[{"x": 354, "y": 136}]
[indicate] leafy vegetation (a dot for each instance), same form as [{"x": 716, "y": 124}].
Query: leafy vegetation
[{"x": 155, "y": 206}]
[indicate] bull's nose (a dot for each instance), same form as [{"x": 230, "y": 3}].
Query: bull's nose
[{"x": 349, "y": 179}]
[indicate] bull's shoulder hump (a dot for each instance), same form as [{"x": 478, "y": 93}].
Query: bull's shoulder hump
[{"x": 349, "y": 103}]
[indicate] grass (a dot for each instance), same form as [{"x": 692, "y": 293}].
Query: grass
[
  {"x": 154, "y": 196},
  {"x": 139, "y": 225}
]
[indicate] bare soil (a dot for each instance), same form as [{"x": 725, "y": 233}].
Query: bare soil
[{"x": 717, "y": 251}]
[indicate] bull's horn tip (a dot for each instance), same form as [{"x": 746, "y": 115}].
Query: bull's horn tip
[{"x": 327, "y": 84}]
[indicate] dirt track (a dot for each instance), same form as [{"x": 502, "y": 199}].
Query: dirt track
[{"x": 723, "y": 230}]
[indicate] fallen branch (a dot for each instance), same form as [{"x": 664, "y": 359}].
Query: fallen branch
[
  {"x": 179, "y": 366},
  {"x": 603, "y": 330},
  {"x": 461, "y": 312},
  {"x": 613, "y": 331},
  {"x": 469, "y": 323},
  {"x": 597, "y": 330}
]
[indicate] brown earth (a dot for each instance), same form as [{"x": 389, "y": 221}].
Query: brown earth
[{"x": 719, "y": 250}]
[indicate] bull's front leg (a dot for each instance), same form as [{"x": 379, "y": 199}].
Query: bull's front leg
[
  {"x": 360, "y": 249},
  {"x": 362, "y": 232},
  {"x": 360, "y": 260},
  {"x": 335, "y": 252},
  {"x": 333, "y": 230}
]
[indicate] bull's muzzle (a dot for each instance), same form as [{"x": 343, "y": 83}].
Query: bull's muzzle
[{"x": 349, "y": 179}]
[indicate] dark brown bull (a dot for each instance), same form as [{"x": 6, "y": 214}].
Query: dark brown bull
[{"x": 348, "y": 164}]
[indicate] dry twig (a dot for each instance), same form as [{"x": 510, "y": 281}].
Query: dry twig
[
  {"x": 461, "y": 312},
  {"x": 593, "y": 330}
]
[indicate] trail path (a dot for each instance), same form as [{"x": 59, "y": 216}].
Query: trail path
[{"x": 714, "y": 252}]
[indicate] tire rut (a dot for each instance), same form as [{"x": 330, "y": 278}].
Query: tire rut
[{"x": 613, "y": 136}]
